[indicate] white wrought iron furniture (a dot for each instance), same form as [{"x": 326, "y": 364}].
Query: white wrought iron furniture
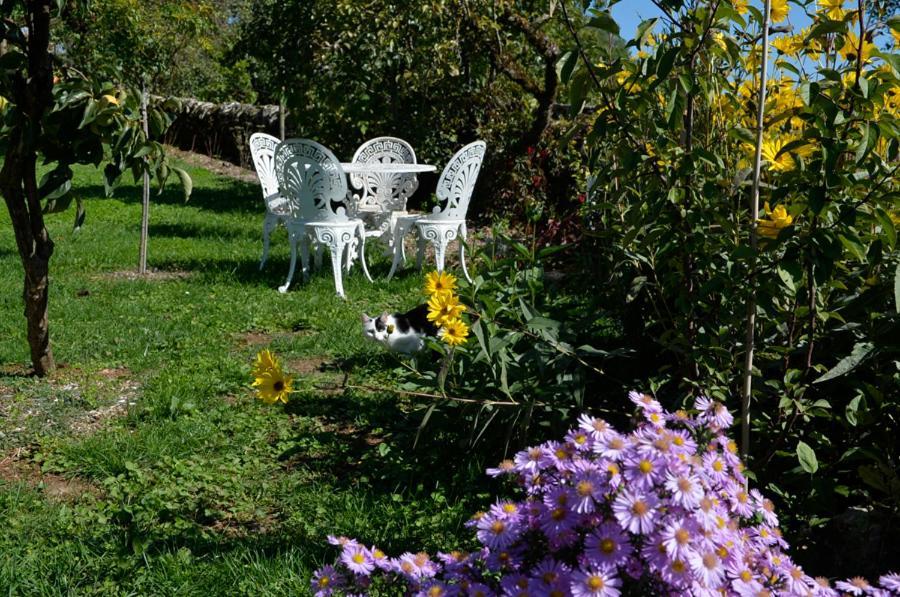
[
  {"x": 312, "y": 180},
  {"x": 382, "y": 192},
  {"x": 446, "y": 222},
  {"x": 262, "y": 150}
]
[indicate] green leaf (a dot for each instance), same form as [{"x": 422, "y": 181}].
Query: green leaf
[
  {"x": 80, "y": 214},
  {"x": 852, "y": 243},
  {"x": 603, "y": 20},
  {"x": 851, "y": 411},
  {"x": 860, "y": 351},
  {"x": 90, "y": 113},
  {"x": 566, "y": 65},
  {"x": 807, "y": 458},
  {"x": 186, "y": 183}
]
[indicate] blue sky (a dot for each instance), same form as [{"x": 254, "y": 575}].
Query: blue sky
[{"x": 628, "y": 13}]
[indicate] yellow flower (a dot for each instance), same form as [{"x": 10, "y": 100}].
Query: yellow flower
[
  {"x": 833, "y": 9},
  {"x": 851, "y": 48},
  {"x": 273, "y": 386},
  {"x": 265, "y": 361},
  {"x": 776, "y": 220},
  {"x": 779, "y": 10},
  {"x": 784, "y": 162},
  {"x": 791, "y": 45},
  {"x": 444, "y": 307},
  {"x": 439, "y": 282},
  {"x": 454, "y": 332},
  {"x": 740, "y": 6},
  {"x": 111, "y": 99},
  {"x": 270, "y": 381}
]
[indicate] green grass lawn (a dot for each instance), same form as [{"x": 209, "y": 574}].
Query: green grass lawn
[{"x": 146, "y": 466}]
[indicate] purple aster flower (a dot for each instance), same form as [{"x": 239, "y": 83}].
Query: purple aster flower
[
  {"x": 559, "y": 455},
  {"x": 503, "y": 559},
  {"x": 557, "y": 520},
  {"x": 560, "y": 497},
  {"x": 598, "y": 428},
  {"x": 357, "y": 559},
  {"x": 607, "y": 547},
  {"x": 720, "y": 417},
  {"x": 890, "y": 581},
  {"x": 515, "y": 585},
  {"x": 589, "y": 488},
  {"x": 594, "y": 583},
  {"x": 580, "y": 439},
  {"x": 635, "y": 512},
  {"x": 682, "y": 443},
  {"x": 645, "y": 402},
  {"x": 504, "y": 468},
  {"x": 703, "y": 404},
  {"x": 496, "y": 532},
  {"x": 506, "y": 510},
  {"x": 855, "y": 586},
  {"x": 677, "y": 536},
  {"x": 549, "y": 572},
  {"x": 643, "y": 470},
  {"x": 529, "y": 460},
  {"x": 747, "y": 588},
  {"x": 341, "y": 541},
  {"x": 686, "y": 490},
  {"x": 707, "y": 568},
  {"x": 480, "y": 590},
  {"x": 325, "y": 581},
  {"x": 611, "y": 446},
  {"x": 380, "y": 559}
]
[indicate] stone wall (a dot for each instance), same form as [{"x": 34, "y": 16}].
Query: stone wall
[{"x": 220, "y": 130}]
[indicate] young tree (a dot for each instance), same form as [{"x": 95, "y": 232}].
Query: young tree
[{"x": 63, "y": 122}]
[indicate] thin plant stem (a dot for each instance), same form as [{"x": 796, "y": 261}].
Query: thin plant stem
[{"x": 754, "y": 238}]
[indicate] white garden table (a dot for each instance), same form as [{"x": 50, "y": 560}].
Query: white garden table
[{"x": 386, "y": 199}]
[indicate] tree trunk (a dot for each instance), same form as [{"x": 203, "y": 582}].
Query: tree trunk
[{"x": 18, "y": 183}]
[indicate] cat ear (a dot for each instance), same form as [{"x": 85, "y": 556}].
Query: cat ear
[
  {"x": 366, "y": 318},
  {"x": 384, "y": 318}
]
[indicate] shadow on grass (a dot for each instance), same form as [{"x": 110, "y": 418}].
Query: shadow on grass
[{"x": 241, "y": 197}]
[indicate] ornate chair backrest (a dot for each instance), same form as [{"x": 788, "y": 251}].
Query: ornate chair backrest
[
  {"x": 311, "y": 179},
  {"x": 457, "y": 181},
  {"x": 262, "y": 150},
  {"x": 383, "y": 191}
]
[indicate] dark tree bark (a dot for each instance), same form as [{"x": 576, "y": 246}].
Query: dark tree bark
[{"x": 32, "y": 94}]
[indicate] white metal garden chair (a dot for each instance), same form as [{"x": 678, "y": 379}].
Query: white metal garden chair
[
  {"x": 382, "y": 196},
  {"x": 316, "y": 188},
  {"x": 447, "y": 221},
  {"x": 262, "y": 150}
]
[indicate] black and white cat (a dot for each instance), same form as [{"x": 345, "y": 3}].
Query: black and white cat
[{"x": 400, "y": 332}]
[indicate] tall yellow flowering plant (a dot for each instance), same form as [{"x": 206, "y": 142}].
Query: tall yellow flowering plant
[{"x": 445, "y": 309}]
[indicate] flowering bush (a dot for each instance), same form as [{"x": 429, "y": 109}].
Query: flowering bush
[{"x": 664, "y": 510}]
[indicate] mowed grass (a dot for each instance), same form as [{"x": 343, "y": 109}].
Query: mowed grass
[{"x": 145, "y": 466}]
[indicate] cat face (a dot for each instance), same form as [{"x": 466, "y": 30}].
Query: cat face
[{"x": 371, "y": 328}]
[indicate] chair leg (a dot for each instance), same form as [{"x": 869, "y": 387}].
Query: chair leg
[
  {"x": 462, "y": 251},
  {"x": 337, "y": 264},
  {"x": 440, "y": 248},
  {"x": 351, "y": 249},
  {"x": 293, "y": 238},
  {"x": 304, "y": 255},
  {"x": 269, "y": 224},
  {"x": 361, "y": 231},
  {"x": 400, "y": 231}
]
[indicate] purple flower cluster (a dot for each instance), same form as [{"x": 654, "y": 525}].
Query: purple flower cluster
[{"x": 663, "y": 510}]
